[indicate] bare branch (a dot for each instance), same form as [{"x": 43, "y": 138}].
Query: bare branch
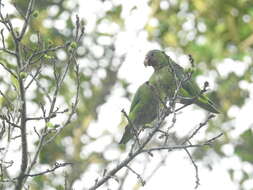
[
  {"x": 33, "y": 77},
  {"x": 132, "y": 155},
  {"x": 74, "y": 105},
  {"x": 138, "y": 175},
  {"x": 180, "y": 147},
  {"x": 3, "y": 117},
  {"x": 9, "y": 70},
  {"x": 41, "y": 118},
  {"x": 4, "y": 47},
  {"x": 56, "y": 166},
  {"x": 43, "y": 52},
  {"x": 200, "y": 126},
  {"x": 27, "y": 19},
  {"x": 196, "y": 169}
]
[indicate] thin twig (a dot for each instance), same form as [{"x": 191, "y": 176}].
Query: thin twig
[
  {"x": 33, "y": 77},
  {"x": 40, "y": 118},
  {"x": 45, "y": 51},
  {"x": 132, "y": 126},
  {"x": 179, "y": 147},
  {"x": 56, "y": 166},
  {"x": 9, "y": 70},
  {"x": 138, "y": 175},
  {"x": 4, "y": 47},
  {"x": 197, "y": 130},
  {"x": 139, "y": 150},
  {"x": 123, "y": 179},
  {"x": 27, "y": 19},
  {"x": 6, "y": 98},
  {"x": 3, "y": 117}
]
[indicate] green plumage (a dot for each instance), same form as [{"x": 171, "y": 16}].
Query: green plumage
[
  {"x": 168, "y": 74},
  {"x": 144, "y": 109},
  {"x": 145, "y": 105}
]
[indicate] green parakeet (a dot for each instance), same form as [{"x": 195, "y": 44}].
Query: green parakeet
[
  {"x": 144, "y": 109},
  {"x": 168, "y": 74}
]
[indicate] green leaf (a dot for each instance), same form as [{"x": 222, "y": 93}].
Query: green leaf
[
  {"x": 50, "y": 125},
  {"x": 244, "y": 149}
]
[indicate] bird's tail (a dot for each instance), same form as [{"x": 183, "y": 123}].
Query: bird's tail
[
  {"x": 126, "y": 136},
  {"x": 207, "y": 104}
]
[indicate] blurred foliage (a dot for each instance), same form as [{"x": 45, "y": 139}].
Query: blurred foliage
[
  {"x": 210, "y": 31},
  {"x": 244, "y": 147}
]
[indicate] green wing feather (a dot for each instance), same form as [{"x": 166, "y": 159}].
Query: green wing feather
[
  {"x": 143, "y": 110},
  {"x": 136, "y": 99},
  {"x": 191, "y": 89}
]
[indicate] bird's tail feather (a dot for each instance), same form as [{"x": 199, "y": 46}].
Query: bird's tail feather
[{"x": 207, "y": 104}]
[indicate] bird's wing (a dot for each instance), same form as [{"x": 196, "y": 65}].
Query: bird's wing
[
  {"x": 189, "y": 85},
  {"x": 136, "y": 99}
]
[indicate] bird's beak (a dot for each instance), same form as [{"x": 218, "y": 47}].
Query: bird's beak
[{"x": 146, "y": 61}]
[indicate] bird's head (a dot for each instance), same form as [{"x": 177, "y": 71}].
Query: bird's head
[{"x": 155, "y": 58}]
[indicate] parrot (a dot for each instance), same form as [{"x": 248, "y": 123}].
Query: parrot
[
  {"x": 167, "y": 75},
  {"x": 143, "y": 110}
]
